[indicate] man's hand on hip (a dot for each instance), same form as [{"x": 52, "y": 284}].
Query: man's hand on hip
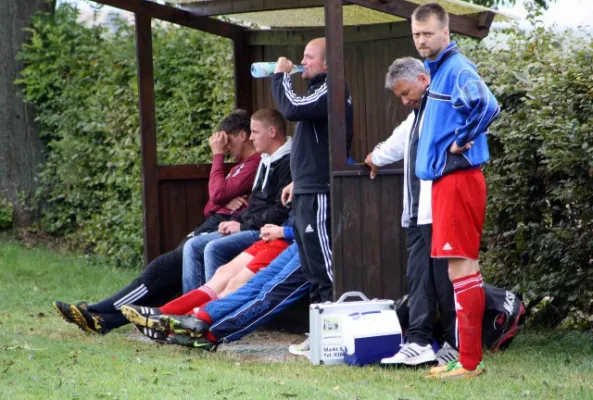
[{"x": 458, "y": 150}]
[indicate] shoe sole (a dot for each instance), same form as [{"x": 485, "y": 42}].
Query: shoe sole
[
  {"x": 203, "y": 346},
  {"x": 176, "y": 326},
  {"x": 299, "y": 353},
  {"x": 420, "y": 360},
  {"x": 468, "y": 374},
  {"x": 151, "y": 335},
  {"x": 67, "y": 318},
  {"x": 80, "y": 321},
  {"x": 138, "y": 319}
]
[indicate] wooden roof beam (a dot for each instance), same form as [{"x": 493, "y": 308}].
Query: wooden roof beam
[
  {"x": 222, "y": 7},
  {"x": 178, "y": 16},
  {"x": 473, "y": 25}
]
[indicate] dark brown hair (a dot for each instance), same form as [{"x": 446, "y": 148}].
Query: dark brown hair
[
  {"x": 424, "y": 12},
  {"x": 235, "y": 122}
]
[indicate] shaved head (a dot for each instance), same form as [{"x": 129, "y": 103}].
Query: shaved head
[
  {"x": 318, "y": 43},
  {"x": 314, "y": 59}
]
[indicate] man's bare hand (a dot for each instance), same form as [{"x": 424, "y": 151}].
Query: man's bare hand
[
  {"x": 287, "y": 195},
  {"x": 219, "y": 143},
  {"x": 458, "y": 150},
  {"x": 229, "y": 227},
  {"x": 283, "y": 65},
  {"x": 271, "y": 232},
  {"x": 237, "y": 203},
  {"x": 369, "y": 162}
]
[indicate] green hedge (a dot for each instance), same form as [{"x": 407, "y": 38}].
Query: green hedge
[
  {"x": 539, "y": 227},
  {"x": 6, "y": 213},
  {"x": 82, "y": 81}
]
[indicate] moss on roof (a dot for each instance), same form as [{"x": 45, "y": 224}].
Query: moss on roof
[
  {"x": 302, "y": 17},
  {"x": 353, "y": 14}
]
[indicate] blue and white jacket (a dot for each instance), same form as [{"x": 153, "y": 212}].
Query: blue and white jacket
[{"x": 459, "y": 108}]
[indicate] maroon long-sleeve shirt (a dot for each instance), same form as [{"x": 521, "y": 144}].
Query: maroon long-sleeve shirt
[{"x": 238, "y": 182}]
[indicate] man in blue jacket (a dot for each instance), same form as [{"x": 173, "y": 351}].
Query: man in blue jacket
[
  {"x": 451, "y": 148},
  {"x": 428, "y": 284}
]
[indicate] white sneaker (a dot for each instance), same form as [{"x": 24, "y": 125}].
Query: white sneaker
[
  {"x": 447, "y": 354},
  {"x": 301, "y": 349},
  {"x": 411, "y": 354}
]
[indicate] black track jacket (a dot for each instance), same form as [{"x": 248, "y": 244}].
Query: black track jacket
[{"x": 309, "y": 158}]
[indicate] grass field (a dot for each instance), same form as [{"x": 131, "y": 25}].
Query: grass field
[{"x": 41, "y": 357}]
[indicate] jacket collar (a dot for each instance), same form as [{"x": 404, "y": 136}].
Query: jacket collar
[
  {"x": 267, "y": 160},
  {"x": 317, "y": 79},
  {"x": 449, "y": 51}
]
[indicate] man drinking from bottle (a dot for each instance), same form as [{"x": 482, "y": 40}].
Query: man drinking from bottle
[{"x": 309, "y": 164}]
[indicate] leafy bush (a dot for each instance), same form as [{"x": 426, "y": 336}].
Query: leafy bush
[
  {"x": 6, "y": 213},
  {"x": 539, "y": 227},
  {"x": 82, "y": 80}
]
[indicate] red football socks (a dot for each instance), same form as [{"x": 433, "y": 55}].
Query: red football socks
[
  {"x": 184, "y": 304},
  {"x": 470, "y": 301}
]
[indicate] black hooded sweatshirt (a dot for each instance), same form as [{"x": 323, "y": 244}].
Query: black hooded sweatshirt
[{"x": 265, "y": 204}]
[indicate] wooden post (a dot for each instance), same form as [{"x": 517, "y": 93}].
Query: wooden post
[
  {"x": 334, "y": 37},
  {"x": 243, "y": 91},
  {"x": 152, "y": 240}
]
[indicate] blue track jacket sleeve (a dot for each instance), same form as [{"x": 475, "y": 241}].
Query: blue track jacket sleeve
[
  {"x": 472, "y": 98},
  {"x": 288, "y": 233},
  {"x": 298, "y": 108}
]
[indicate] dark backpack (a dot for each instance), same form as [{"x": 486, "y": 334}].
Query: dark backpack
[{"x": 502, "y": 317}]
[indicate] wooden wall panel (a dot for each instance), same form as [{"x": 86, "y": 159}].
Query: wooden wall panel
[
  {"x": 393, "y": 245},
  {"x": 172, "y": 203},
  {"x": 183, "y": 194},
  {"x": 348, "y": 237},
  {"x": 369, "y": 245}
]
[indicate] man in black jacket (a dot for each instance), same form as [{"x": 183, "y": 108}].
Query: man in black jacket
[
  {"x": 203, "y": 254},
  {"x": 309, "y": 163}
]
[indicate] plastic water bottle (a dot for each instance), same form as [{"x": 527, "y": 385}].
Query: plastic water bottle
[{"x": 266, "y": 69}]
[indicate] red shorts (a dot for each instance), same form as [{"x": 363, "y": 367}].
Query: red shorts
[
  {"x": 264, "y": 253},
  {"x": 458, "y": 212}
]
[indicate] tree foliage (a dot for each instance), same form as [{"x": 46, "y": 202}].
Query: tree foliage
[
  {"x": 82, "y": 81},
  {"x": 539, "y": 229},
  {"x": 501, "y": 3}
]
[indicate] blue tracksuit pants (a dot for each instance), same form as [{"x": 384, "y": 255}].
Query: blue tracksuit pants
[{"x": 269, "y": 292}]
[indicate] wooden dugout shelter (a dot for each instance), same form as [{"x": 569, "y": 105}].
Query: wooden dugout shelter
[{"x": 363, "y": 38}]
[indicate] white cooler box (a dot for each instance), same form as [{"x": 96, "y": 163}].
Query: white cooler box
[{"x": 357, "y": 324}]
